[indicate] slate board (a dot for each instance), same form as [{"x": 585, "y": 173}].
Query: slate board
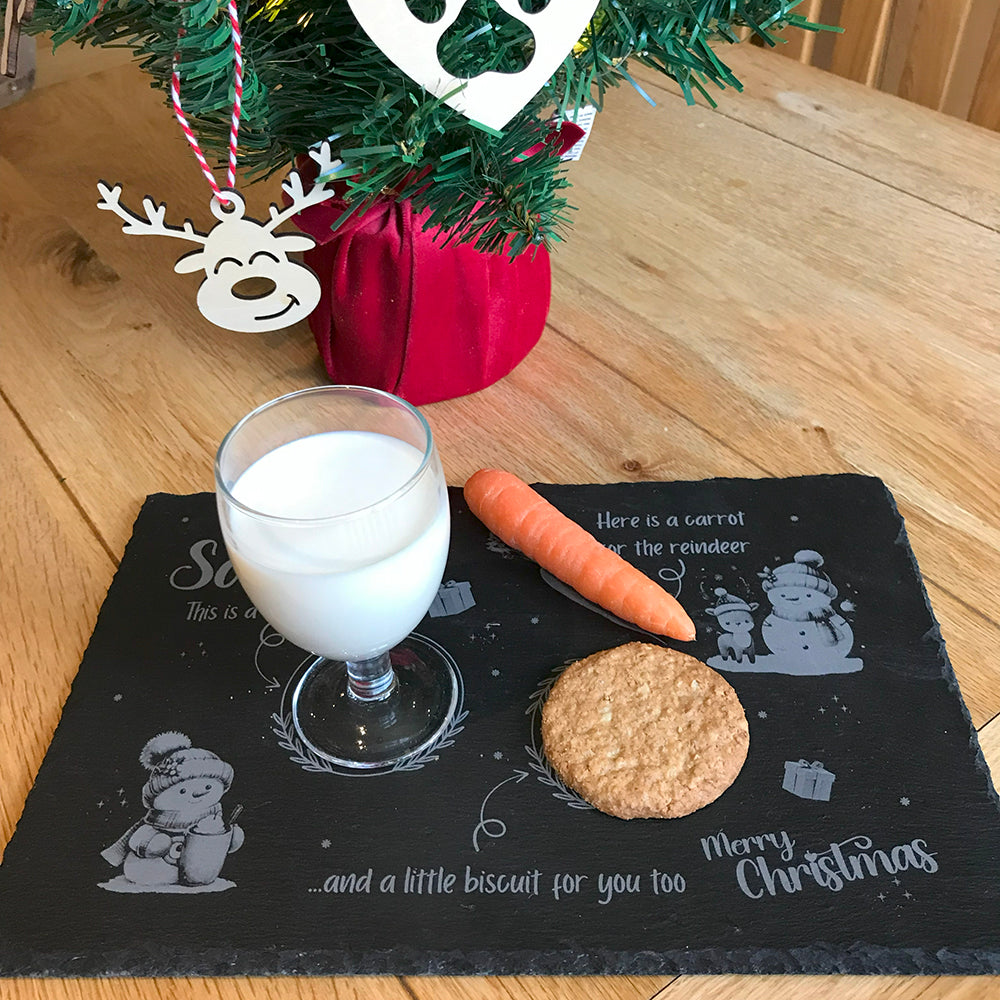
[{"x": 895, "y": 873}]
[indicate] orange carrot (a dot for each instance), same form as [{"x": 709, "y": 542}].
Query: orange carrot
[{"x": 517, "y": 515}]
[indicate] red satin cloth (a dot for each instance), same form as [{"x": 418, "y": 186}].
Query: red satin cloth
[{"x": 403, "y": 313}]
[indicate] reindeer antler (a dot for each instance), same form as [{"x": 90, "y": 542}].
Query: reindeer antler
[
  {"x": 292, "y": 186},
  {"x": 153, "y": 224}
]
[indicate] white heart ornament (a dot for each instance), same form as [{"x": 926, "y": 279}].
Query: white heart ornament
[{"x": 491, "y": 98}]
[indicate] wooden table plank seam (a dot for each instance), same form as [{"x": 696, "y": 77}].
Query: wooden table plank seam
[
  {"x": 727, "y": 445},
  {"x": 60, "y": 479},
  {"x": 644, "y": 391},
  {"x": 988, "y": 722},
  {"x": 402, "y": 980},
  {"x": 861, "y": 173},
  {"x": 664, "y": 88},
  {"x": 662, "y": 991}
]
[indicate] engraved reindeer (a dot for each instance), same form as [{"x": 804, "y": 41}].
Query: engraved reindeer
[{"x": 238, "y": 248}]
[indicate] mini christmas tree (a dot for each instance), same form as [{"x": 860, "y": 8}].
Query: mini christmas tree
[{"x": 311, "y": 72}]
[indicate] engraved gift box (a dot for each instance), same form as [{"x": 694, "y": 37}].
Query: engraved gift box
[
  {"x": 808, "y": 780},
  {"x": 452, "y": 598}
]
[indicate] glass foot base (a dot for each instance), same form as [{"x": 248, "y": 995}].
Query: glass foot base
[{"x": 373, "y": 734}]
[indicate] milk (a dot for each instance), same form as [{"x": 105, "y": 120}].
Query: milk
[{"x": 344, "y": 576}]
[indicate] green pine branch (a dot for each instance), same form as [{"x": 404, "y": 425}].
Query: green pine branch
[{"x": 311, "y": 73}]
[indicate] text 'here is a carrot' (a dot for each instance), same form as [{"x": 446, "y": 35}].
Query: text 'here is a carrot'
[{"x": 523, "y": 519}]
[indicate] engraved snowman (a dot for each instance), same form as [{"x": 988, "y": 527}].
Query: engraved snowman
[
  {"x": 182, "y": 841},
  {"x": 803, "y": 623}
]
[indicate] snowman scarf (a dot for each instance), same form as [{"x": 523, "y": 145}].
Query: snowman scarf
[
  {"x": 171, "y": 821},
  {"x": 828, "y": 620}
]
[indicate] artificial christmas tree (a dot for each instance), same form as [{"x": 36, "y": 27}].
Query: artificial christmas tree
[{"x": 416, "y": 161}]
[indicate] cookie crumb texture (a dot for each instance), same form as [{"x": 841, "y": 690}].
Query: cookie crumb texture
[{"x": 641, "y": 731}]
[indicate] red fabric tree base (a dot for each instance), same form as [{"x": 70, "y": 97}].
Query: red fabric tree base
[{"x": 404, "y": 313}]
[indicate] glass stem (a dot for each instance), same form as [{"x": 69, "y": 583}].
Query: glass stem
[{"x": 372, "y": 679}]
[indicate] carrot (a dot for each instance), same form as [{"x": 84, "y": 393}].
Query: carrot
[{"x": 523, "y": 519}]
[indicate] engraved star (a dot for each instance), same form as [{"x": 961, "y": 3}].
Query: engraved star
[
  {"x": 835, "y": 698},
  {"x": 843, "y": 708},
  {"x": 822, "y": 711},
  {"x": 762, "y": 714},
  {"x": 494, "y": 672},
  {"x": 904, "y": 801},
  {"x": 896, "y": 881},
  {"x": 324, "y": 843},
  {"x": 117, "y": 697},
  {"x": 100, "y": 805},
  {"x": 908, "y": 895},
  {"x": 881, "y": 896},
  {"x": 497, "y": 755}
]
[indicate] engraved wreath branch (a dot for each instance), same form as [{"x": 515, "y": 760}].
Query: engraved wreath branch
[{"x": 536, "y": 758}]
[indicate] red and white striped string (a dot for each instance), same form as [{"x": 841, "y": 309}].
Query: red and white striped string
[{"x": 175, "y": 97}]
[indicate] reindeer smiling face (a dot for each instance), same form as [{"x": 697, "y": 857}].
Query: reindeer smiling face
[{"x": 250, "y": 283}]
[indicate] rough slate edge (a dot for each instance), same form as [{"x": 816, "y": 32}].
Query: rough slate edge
[
  {"x": 816, "y": 959},
  {"x": 903, "y": 541},
  {"x": 948, "y": 671}
]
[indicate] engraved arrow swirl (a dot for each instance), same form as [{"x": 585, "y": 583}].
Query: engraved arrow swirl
[{"x": 494, "y": 827}]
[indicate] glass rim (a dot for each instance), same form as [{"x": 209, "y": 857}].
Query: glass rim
[{"x": 325, "y": 390}]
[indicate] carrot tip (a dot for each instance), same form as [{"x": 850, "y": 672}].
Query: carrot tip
[{"x": 523, "y": 519}]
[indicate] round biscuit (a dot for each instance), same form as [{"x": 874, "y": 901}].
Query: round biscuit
[{"x": 642, "y": 731}]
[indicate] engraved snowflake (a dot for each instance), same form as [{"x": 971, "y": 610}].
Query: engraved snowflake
[
  {"x": 762, "y": 714},
  {"x": 325, "y": 843},
  {"x": 497, "y": 755},
  {"x": 904, "y": 801}
]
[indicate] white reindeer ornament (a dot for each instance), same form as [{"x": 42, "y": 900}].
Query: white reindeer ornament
[{"x": 238, "y": 248}]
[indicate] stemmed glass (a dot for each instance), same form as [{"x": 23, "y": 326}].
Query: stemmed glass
[{"x": 334, "y": 510}]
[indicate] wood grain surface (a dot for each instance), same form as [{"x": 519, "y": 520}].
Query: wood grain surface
[
  {"x": 804, "y": 281},
  {"x": 943, "y": 54}
]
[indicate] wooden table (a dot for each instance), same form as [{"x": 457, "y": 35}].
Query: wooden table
[{"x": 805, "y": 281}]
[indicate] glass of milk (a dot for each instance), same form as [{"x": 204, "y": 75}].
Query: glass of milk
[{"x": 334, "y": 510}]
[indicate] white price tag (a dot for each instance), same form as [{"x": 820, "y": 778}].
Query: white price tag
[{"x": 584, "y": 117}]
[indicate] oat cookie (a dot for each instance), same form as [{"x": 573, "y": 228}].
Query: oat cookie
[{"x": 642, "y": 731}]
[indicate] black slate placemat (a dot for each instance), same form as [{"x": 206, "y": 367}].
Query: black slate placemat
[{"x": 861, "y": 836}]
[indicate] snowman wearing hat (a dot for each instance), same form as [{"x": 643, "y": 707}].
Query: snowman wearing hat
[
  {"x": 802, "y": 622},
  {"x": 182, "y": 840}
]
